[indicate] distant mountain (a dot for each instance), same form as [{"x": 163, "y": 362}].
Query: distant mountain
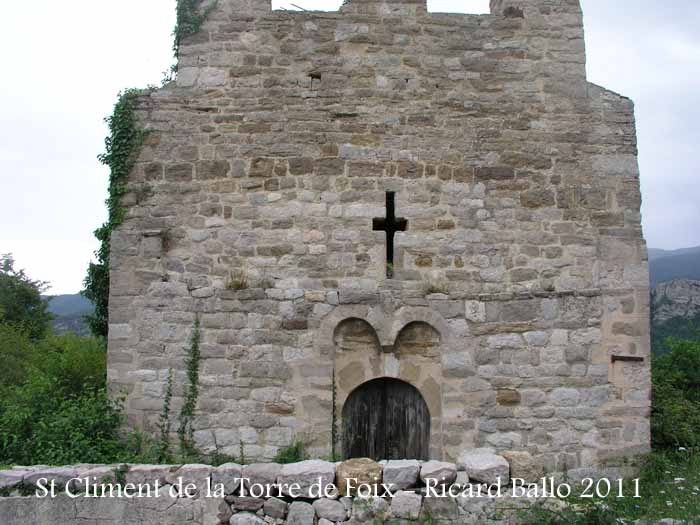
[
  {"x": 667, "y": 265},
  {"x": 68, "y": 311}
]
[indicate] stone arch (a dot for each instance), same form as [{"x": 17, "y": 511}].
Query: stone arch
[
  {"x": 355, "y": 334},
  {"x": 413, "y": 356},
  {"x": 418, "y": 346},
  {"x": 357, "y": 354},
  {"x": 386, "y": 418},
  {"x": 419, "y": 339},
  {"x": 412, "y": 314}
]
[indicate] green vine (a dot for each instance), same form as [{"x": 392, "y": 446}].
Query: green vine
[
  {"x": 121, "y": 150},
  {"x": 189, "y": 21},
  {"x": 186, "y": 430},
  {"x": 163, "y": 445}
]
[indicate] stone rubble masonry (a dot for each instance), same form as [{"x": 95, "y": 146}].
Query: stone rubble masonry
[
  {"x": 411, "y": 504},
  {"x": 522, "y": 271}
]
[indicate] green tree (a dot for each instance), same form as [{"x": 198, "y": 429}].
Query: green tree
[
  {"x": 675, "y": 417},
  {"x": 21, "y": 304}
]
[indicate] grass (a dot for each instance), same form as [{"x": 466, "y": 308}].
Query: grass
[
  {"x": 669, "y": 487},
  {"x": 292, "y": 454}
]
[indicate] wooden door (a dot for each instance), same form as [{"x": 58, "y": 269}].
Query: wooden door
[{"x": 386, "y": 419}]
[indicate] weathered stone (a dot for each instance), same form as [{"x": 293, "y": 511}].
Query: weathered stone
[
  {"x": 300, "y": 513},
  {"x": 439, "y": 509},
  {"x": 224, "y": 513},
  {"x": 264, "y": 474},
  {"x": 362, "y": 471},
  {"x": 276, "y": 508},
  {"x": 406, "y": 505},
  {"x": 523, "y": 466},
  {"x": 197, "y": 475},
  {"x": 306, "y": 474},
  {"x": 148, "y": 474},
  {"x": 59, "y": 475},
  {"x": 401, "y": 474},
  {"x": 10, "y": 478},
  {"x": 538, "y": 198},
  {"x": 228, "y": 475},
  {"x": 248, "y": 503},
  {"x": 444, "y": 473},
  {"x": 245, "y": 518},
  {"x": 332, "y": 510},
  {"x": 484, "y": 466},
  {"x": 508, "y": 397}
]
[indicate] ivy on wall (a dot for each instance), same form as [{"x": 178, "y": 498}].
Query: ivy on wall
[
  {"x": 189, "y": 20},
  {"x": 121, "y": 150},
  {"x": 185, "y": 431}
]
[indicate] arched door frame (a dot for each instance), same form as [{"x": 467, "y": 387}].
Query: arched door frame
[{"x": 386, "y": 418}]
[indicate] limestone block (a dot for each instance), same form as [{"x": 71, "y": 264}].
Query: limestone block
[
  {"x": 361, "y": 471},
  {"x": 380, "y": 509},
  {"x": 300, "y": 513},
  {"x": 523, "y": 466},
  {"x": 246, "y": 518},
  {"x": 439, "y": 509},
  {"x": 484, "y": 466},
  {"x": 261, "y": 474},
  {"x": 224, "y": 513},
  {"x": 10, "y": 478},
  {"x": 306, "y": 474},
  {"x": 567, "y": 397},
  {"x": 406, "y": 505},
  {"x": 99, "y": 474},
  {"x": 332, "y": 510},
  {"x": 401, "y": 474},
  {"x": 60, "y": 475},
  {"x": 228, "y": 475},
  {"x": 444, "y": 473},
  {"x": 248, "y": 504},
  {"x": 149, "y": 473},
  {"x": 197, "y": 475},
  {"x": 275, "y": 508}
]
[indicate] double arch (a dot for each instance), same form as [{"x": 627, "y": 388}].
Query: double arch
[{"x": 366, "y": 346}]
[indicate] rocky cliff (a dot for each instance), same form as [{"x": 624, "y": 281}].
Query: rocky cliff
[{"x": 677, "y": 298}]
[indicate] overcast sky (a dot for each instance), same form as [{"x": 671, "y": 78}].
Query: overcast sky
[{"x": 65, "y": 62}]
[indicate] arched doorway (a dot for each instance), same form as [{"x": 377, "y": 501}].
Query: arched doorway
[{"x": 386, "y": 419}]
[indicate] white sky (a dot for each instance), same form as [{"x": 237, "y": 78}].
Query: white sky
[{"x": 65, "y": 62}]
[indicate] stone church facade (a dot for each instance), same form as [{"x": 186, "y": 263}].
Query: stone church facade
[{"x": 438, "y": 201}]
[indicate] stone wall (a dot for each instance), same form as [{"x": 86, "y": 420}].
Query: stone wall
[
  {"x": 353, "y": 492},
  {"x": 522, "y": 272}
]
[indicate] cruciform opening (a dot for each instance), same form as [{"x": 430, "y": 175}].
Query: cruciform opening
[{"x": 390, "y": 224}]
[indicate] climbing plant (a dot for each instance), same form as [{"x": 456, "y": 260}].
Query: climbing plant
[
  {"x": 189, "y": 20},
  {"x": 163, "y": 443},
  {"x": 185, "y": 431},
  {"x": 121, "y": 150}
]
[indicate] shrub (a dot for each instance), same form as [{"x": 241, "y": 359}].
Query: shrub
[
  {"x": 58, "y": 411},
  {"x": 675, "y": 418},
  {"x": 16, "y": 350},
  {"x": 39, "y": 426},
  {"x": 292, "y": 454}
]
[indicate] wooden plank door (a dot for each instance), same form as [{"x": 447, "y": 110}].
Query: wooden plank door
[{"x": 386, "y": 419}]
